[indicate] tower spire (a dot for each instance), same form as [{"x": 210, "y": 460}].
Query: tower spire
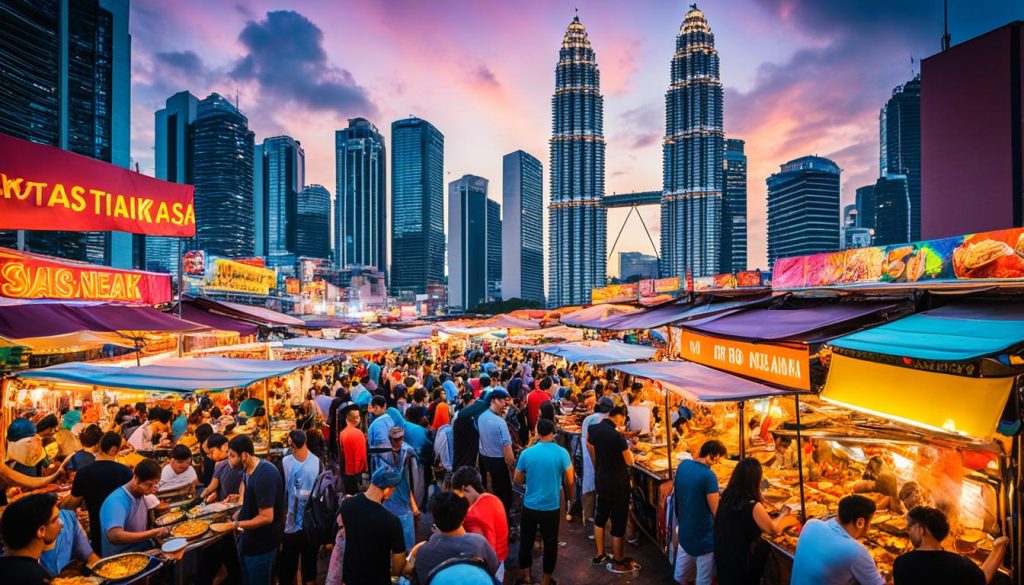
[{"x": 945, "y": 24}]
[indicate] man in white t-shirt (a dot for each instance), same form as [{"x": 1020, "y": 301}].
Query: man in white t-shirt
[{"x": 178, "y": 473}]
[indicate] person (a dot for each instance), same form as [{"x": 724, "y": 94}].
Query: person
[
  {"x": 72, "y": 544},
  {"x": 249, "y": 406},
  {"x": 301, "y": 469},
  {"x": 178, "y": 473},
  {"x": 542, "y": 467},
  {"x": 612, "y": 459},
  {"x": 451, "y": 541},
  {"x": 226, "y": 482},
  {"x": 402, "y": 458},
  {"x": 379, "y": 551},
  {"x": 928, "y": 563},
  {"x": 739, "y": 551},
  {"x": 451, "y": 390},
  {"x": 25, "y": 448},
  {"x": 377, "y": 432},
  {"x": 89, "y": 438},
  {"x": 496, "y": 456},
  {"x": 28, "y": 527},
  {"x": 534, "y": 399},
  {"x": 261, "y": 517},
  {"x": 696, "y": 489},
  {"x": 465, "y": 436},
  {"x": 97, "y": 480},
  {"x": 444, "y": 452},
  {"x": 353, "y": 450},
  {"x": 124, "y": 515},
  {"x": 828, "y": 553},
  {"x": 601, "y": 409},
  {"x": 486, "y": 515}
]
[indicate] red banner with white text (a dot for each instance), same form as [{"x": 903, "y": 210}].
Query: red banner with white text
[{"x": 46, "y": 188}]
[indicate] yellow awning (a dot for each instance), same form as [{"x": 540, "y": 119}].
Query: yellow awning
[{"x": 954, "y": 404}]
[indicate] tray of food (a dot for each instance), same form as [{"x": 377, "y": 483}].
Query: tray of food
[
  {"x": 170, "y": 518},
  {"x": 190, "y": 529},
  {"x": 214, "y": 508},
  {"x": 77, "y": 580},
  {"x": 123, "y": 566}
]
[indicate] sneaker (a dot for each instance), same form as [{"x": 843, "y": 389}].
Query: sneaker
[
  {"x": 590, "y": 536},
  {"x": 601, "y": 559},
  {"x": 635, "y": 540},
  {"x": 626, "y": 565}
]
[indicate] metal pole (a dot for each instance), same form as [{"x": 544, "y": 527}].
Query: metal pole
[
  {"x": 800, "y": 458},
  {"x": 743, "y": 429},
  {"x": 181, "y": 341},
  {"x": 668, "y": 434}
]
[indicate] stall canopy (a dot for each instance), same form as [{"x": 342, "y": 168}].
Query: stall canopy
[
  {"x": 700, "y": 383},
  {"x": 379, "y": 340},
  {"x": 196, "y": 314},
  {"x": 507, "y": 321},
  {"x": 249, "y": 313},
  {"x": 597, "y": 316},
  {"x": 776, "y": 324},
  {"x": 599, "y": 352},
  {"x": 182, "y": 375},
  {"x": 679, "y": 311},
  {"x": 957, "y": 332}
]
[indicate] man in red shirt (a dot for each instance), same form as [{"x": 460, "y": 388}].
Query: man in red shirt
[
  {"x": 534, "y": 399},
  {"x": 486, "y": 515},
  {"x": 353, "y": 450}
]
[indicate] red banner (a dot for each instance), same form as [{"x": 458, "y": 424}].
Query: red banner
[
  {"x": 32, "y": 276},
  {"x": 46, "y": 188}
]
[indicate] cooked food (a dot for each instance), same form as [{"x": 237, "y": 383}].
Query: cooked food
[
  {"x": 895, "y": 269},
  {"x": 121, "y": 566},
  {"x": 222, "y": 526},
  {"x": 75, "y": 581},
  {"x": 969, "y": 257},
  {"x": 916, "y": 265},
  {"x": 1019, "y": 248},
  {"x": 170, "y": 518},
  {"x": 195, "y": 511},
  {"x": 882, "y": 556},
  {"x": 776, "y": 494},
  {"x": 190, "y": 529},
  {"x": 899, "y": 253}
]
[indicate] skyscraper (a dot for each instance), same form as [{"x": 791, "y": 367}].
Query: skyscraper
[
  {"x": 66, "y": 70},
  {"x": 577, "y": 219},
  {"x": 637, "y": 266},
  {"x": 469, "y": 241},
  {"x": 173, "y": 151},
  {"x": 734, "y": 208},
  {"x": 865, "y": 201},
  {"x": 360, "y": 215},
  {"x": 417, "y": 204},
  {"x": 803, "y": 208},
  {"x": 313, "y": 225},
  {"x": 892, "y": 211},
  {"x": 493, "y": 250},
  {"x": 280, "y": 171},
  {"x": 899, "y": 124},
  {"x": 222, "y": 167},
  {"x": 522, "y": 228},
  {"x": 691, "y": 205}
]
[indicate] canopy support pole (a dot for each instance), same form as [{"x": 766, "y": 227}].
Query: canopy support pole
[
  {"x": 665, "y": 417},
  {"x": 181, "y": 338},
  {"x": 800, "y": 459},
  {"x": 743, "y": 429}
]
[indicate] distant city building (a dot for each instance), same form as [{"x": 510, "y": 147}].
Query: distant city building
[
  {"x": 66, "y": 70},
  {"x": 734, "y": 208},
  {"x": 851, "y": 216},
  {"x": 522, "y": 228},
  {"x": 173, "y": 157},
  {"x": 417, "y": 206},
  {"x": 577, "y": 219},
  {"x": 691, "y": 209},
  {"x": 313, "y": 231},
  {"x": 972, "y": 139},
  {"x": 865, "y": 202},
  {"x": 280, "y": 175},
  {"x": 637, "y": 266},
  {"x": 361, "y": 206},
  {"x": 493, "y": 250},
  {"x": 471, "y": 237},
  {"x": 899, "y": 124},
  {"x": 222, "y": 167},
  {"x": 856, "y": 237},
  {"x": 892, "y": 211},
  {"x": 803, "y": 208}
]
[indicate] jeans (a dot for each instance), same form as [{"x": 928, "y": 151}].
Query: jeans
[
  {"x": 501, "y": 481},
  {"x": 686, "y": 566},
  {"x": 408, "y": 529},
  {"x": 258, "y": 569},
  {"x": 293, "y": 548},
  {"x": 548, "y": 522}
]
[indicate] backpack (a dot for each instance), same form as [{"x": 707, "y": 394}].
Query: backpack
[{"x": 320, "y": 516}]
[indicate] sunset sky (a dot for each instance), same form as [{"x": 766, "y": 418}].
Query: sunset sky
[{"x": 800, "y": 76}]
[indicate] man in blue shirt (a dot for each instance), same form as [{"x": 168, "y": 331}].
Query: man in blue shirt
[
  {"x": 301, "y": 469},
  {"x": 377, "y": 432},
  {"x": 496, "y": 456},
  {"x": 402, "y": 458},
  {"x": 828, "y": 553},
  {"x": 72, "y": 545},
  {"x": 451, "y": 391},
  {"x": 124, "y": 514},
  {"x": 696, "y": 488},
  {"x": 542, "y": 467}
]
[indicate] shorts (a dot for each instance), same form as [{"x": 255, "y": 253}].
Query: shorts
[{"x": 617, "y": 510}]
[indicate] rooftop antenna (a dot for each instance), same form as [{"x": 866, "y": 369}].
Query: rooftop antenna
[
  {"x": 945, "y": 24},
  {"x": 236, "y": 99}
]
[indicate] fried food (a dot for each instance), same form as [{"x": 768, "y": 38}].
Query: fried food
[
  {"x": 75, "y": 581},
  {"x": 899, "y": 253},
  {"x": 122, "y": 566},
  {"x": 170, "y": 518},
  {"x": 970, "y": 257},
  {"x": 190, "y": 529},
  {"x": 895, "y": 269},
  {"x": 1019, "y": 248},
  {"x": 916, "y": 266}
]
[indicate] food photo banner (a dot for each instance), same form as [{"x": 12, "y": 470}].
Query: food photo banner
[
  {"x": 46, "y": 188},
  {"x": 996, "y": 255}
]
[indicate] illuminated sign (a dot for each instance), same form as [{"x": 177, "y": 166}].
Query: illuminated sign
[
  {"x": 232, "y": 276},
  {"x": 195, "y": 262},
  {"x": 615, "y": 293},
  {"x": 291, "y": 286},
  {"x": 776, "y": 364}
]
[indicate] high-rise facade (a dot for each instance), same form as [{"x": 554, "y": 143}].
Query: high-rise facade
[
  {"x": 173, "y": 156},
  {"x": 313, "y": 225},
  {"x": 692, "y": 199},
  {"x": 280, "y": 174},
  {"x": 66, "y": 70},
  {"x": 493, "y": 250},
  {"x": 892, "y": 211},
  {"x": 734, "y": 208},
  {"x": 417, "y": 205},
  {"x": 899, "y": 123},
  {"x": 637, "y": 266},
  {"x": 360, "y": 214},
  {"x": 522, "y": 228},
  {"x": 469, "y": 242},
  {"x": 222, "y": 167},
  {"x": 577, "y": 220},
  {"x": 865, "y": 202},
  {"x": 803, "y": 208}
]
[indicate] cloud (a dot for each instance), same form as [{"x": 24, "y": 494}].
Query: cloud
[
  {"x": 643, "y": 126},
  {"x": 484, "y": 75},
  {"x": 286, "y": 59},
  {"x": 184, "y": 61}
]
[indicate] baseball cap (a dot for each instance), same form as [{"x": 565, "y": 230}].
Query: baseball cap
[
  {"x": 498, "y": 393},
  {"x": 396, "y": 432},
  {"x": 385, "y": 477},
  {"x": 20, "y": 428},
  {"x": 604, "y": 405}
]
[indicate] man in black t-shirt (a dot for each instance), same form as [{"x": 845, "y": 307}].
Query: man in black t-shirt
[
  {"x": 28, "y": 527},
  {"x": 97, "y": 480},
  {"x": 612, "y": 459},
  {"x": 262, "y": 515},
  {"x": 928, "y": 564},
  {"x": 375, "y": 546}
]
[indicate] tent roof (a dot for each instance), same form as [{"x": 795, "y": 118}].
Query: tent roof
[
  {"x": 377, "y": 340},
  {"x": 196, "y": 314},
  {"x": 958, "y": 332},
  {"x": 33, "y": 320},
  {"x": 700, "y": 383},
  {"x": 678, "y": 311},
  {"x": 597, "y": 316},
  {"x": 173, "y": 375},
  {"x": 248, "y": 312},
  {"x": 780, "y": 323},
  {"x": 506, "y": 321},
  {"x": 599, "y": 352}
]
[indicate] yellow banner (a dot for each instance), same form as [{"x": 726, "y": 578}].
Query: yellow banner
[{"x": 235, "y": 276}]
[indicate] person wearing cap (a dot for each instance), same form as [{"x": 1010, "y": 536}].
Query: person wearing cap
[
  {"x": 402, "y": 459},
  {"x": 601, "y": 409},
  {"x": 25, "y": 448},
  {"x": 378, "y": 553},
  {"x": 496, "y": 456}
]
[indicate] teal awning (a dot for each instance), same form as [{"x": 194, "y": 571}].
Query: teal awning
[{"x": 958, "y": 332}]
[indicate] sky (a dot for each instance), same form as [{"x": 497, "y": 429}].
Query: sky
[{"x": 800, "y": 77}]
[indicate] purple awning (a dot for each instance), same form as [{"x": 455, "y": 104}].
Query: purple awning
[
  {"x": 26, "y": 320},
  {"x": 259, "y": 315},
  {"x": 190, "y": 312},
  {"x": 786, "y": 323},
  {"x": 700, "y": 383},
  {"x": 673, "y": 312},
  {"x": 597, "y": 316}
]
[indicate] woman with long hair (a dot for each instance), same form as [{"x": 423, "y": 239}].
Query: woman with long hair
[{"x": 740, "y": 553}]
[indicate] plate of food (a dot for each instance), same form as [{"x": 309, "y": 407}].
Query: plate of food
[
  {"x": 190, "y": 529},
  {"x": 220, "y": 527},
  {"x": 170, "y": 518},
  {"x": 79, "y": 580},
  {"x": 122, "y": 566}
]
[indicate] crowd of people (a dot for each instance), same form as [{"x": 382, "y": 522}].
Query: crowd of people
[{"x": 468, "y": 436}]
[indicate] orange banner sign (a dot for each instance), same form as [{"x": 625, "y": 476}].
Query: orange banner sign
[{"x": 774, "y": 364}]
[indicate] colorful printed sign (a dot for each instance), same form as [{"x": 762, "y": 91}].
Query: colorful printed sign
[
  {"x": 614, "y": 293},
  {"x": 229, "y": 275},
  {"x": 997, "y": 255},
  {"x": 32, "y": 276},
  {"x": 46, "y": 188},
  {"x": 291, "y": 286},
  {"x": 774, "y": 364},
  {"x": 254, "y": 261},
  {"x": 195, "y": 262}
]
